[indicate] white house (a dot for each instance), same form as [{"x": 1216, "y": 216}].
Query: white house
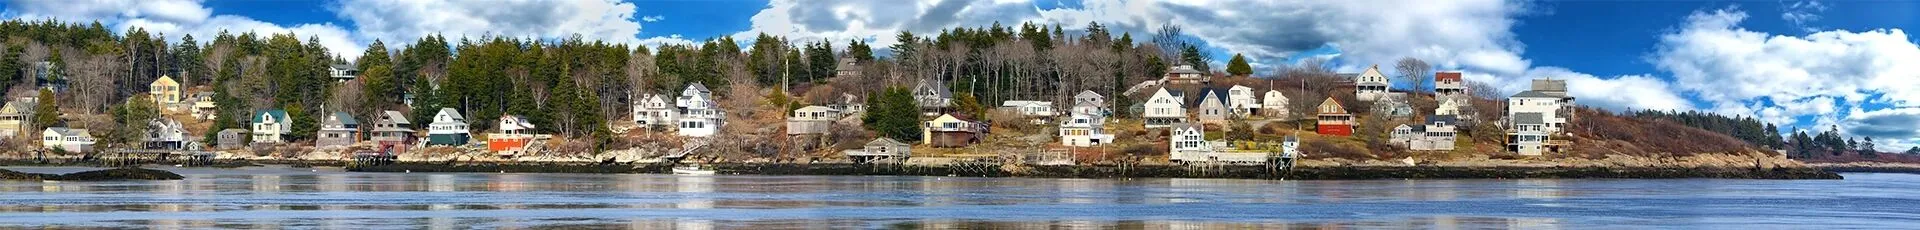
[
  {"x": 654, "y": 110},
  {"x": 1083, "y": 130},
  {"x": 1437, "y": 134},
  {"x": 70, "y": 140},
  {"x": 1448, "y": 83},
  {"x": 812, "y": 120},
  {"x": 1370, "y": 85},
  {"x": 1453, "y": 105},
  {"x": 1039, "y": 111},
  {"x": 1241, "y": 101},
  {"x": 1164, "y": 109},
  {"x": 271, "y": 126},
  {"x": 1528, "y": 135},
  {"x": 700, "y": 115},
  {"x": 1548, "y": 107},
  {"x": 1185, "y": 74},
  {"x": 1089, "y": 102},
  {"x": 165, "y": 133},
  {"x": 1274, "y": 105},
  {"x": 1187, "y": 138},
  {"x": 448, "y": 128},
  {"x": 343, "y": 72},
  {"x": 849, "y": 105}
]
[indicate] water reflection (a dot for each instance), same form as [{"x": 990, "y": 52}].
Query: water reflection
[{"x": 303, "y": 198}]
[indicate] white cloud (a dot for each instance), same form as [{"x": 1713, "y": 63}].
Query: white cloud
[
  {"x": 670, "y": 39},
  {"x": 406, "y": 20},
  {"x": 1619, "y": 93},
  {"x": 877, "y": 21},
  {"x": 176, "y": 18},
  {"x": 1802, "y": 12},
  {"x": 654, "y": 18},
  {"x": 1894, "y": 129}
]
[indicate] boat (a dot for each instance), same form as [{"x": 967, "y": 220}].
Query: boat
[{"x": 691, "y": 170}]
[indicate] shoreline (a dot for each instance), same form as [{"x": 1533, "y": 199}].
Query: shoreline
[{"x": 1868, "y": 167}]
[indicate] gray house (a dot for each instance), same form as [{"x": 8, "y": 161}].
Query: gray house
[
  {"x": 231, "y": 138},
  {"x": 1211, "y": 106},
  {"x": 393, "y": 129},
  {"x": 338, "y": 129},
  {"x": 933, "y": 97},
  {"x": 881, "y": 150}
]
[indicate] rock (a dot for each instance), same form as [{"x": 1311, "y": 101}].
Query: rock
[
  {"x": 14, "y": 175},
  {"x": 120, "y": 174}
]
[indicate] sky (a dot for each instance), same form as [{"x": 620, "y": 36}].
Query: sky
[{"x": 1802, "y": 64}]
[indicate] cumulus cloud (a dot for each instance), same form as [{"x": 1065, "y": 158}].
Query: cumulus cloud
[
  {"x": 177, "y": 18},
  {"x": 1802, "y": 12},
  {"x": 654, "y": 18},
  {"x": 1894, "y": 129},
  {"x": 405, "y": 20},
  {"x": 877, "y": 21}
]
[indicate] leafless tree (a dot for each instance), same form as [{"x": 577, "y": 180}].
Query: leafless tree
[
  {"x": 345, "y": 98},
  {"x": 1415, "y": 72}
]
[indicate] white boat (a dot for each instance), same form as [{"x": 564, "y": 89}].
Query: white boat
[{"x": 691, "y": 170}]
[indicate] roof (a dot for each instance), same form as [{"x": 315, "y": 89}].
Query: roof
[
  {"x": 1209, "y": 92},
  {"x": 1446, "y": 76},
  {"x": 452, "y": 113},
  {"x": 395, "y": 117},
  {"x": 277, "y": 113},
  {"x": 524, "y": 124},
  {"x": 22, "y": 105},
  {"x": 345, "y": 66},
  {"x": 1532, "y": 94},
  {"x": 816, "y": 108},
  {"x": 345, "y": 119},
  {"x": 1180, "y": 126},
  {"x": 1183, "y": 69},
  {"x": 1529, "y": 119},
  {"x": 165, "y": 78},
  {"x": 233, "y": 130},
  {"x": 697, "y": 86},
  {"x": 1086, "y": 104},
  {"x": 939, "y": 88},
  {"x": 1347, "y": 76},
  {"x": 1293, "y": 138},
  {"x": 1026, "y": 103},
  {"x": 885, "y": 141},
  {"x": 1087, "y": 94},
  {"x": 63, "y": 131},
  {"x": 1449, "y": 119}
]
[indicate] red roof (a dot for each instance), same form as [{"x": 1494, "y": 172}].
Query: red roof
[{"x": 1446, "y": 76}]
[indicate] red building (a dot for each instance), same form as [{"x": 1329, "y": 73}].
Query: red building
[{"x": 1334, "y": 119}]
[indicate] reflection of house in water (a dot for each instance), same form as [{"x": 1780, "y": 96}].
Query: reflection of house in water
[{"x": 1538, "y": 189}]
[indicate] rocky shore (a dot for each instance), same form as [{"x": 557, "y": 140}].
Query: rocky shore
[
  {"x": 95, "y": 175},
  {"x": 1869, "y": 167}
]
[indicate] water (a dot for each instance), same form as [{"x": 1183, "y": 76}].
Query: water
[{"x": 305, "y": 198}]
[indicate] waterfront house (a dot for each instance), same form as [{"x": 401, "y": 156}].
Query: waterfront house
[
  {"x": 1370, "y": 85},
  {"x": 1290, "y": 147},
  {"x": 812, "y": 120},
  {"x": 1403, "y": 134},
  {"x": 70, "y": 140},
  {"x": 1448, "y": 84},
  {"x": 343, "y": 72},
  {"x": 1039, "y": 112},
  {"x": 1083, "y": 130},
  {"x": 338, "y": 129},
  {"x": 165, "y": 133},
  {"x": 881, "y": 150},
  {"x": 1440, "y": 134},
  {"x": 392, "y": 129},
  {"x": 448, "y": 128},
  {"x": 849, "y": 105},
  {"x": 1394, "y": 105},
  {"x": 700, "y": 114},
  {"x": 933, "y": 97},
  {"x": 1211, "y": 107},
  {"x": 1241, "y": 100},
  {"x": 949, "y": 131},
  {"x": 1187, "y": 138},
  {"x": 1164, "y": 109},
  {"x": 653, "y": 110},
  {"x": 515, "y": 133},
  {"x": 203, "y": 106},
  {"x": 271, "y": 126},
  {"x": 1089, "y": 102},
  {"x": 165, "y": 92},
  {"x": 1453, "y": 105},
  {"x": 1088, "y": 96},
  {"x": 1528, "y": 135},
  {"x": 1548, "y": 107},
  {"x": 17, "y": 115},
  {"x": 1334, "y": 119},
  {"x": 230, "y": 138},
  {"x": 1274, "y": 105},
  {"x": 1185, "y": 74}
]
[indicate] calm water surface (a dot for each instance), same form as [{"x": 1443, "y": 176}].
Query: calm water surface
[{"x": 303, "y": 198}]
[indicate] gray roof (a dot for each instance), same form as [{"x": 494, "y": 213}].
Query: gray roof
[
  {"x": 453, "y": 113},
  {"x": 1179, "y": 126},
  {"x": 1209, "y": 92},
  {"x": 1293, "y": 138},
  {"x": 1529, "y": 119},
  {"x": 66, "y": 131},
  {"x": 698, "y": 86},
  {"x": 346, "y": 119},
  {"x": 345, "y": 66},
  {"x": 1087, "y": 94},
  {"x": 1418, "y": 128},
  {"x": 939, "y": 88},
  {"x": 1348, "y": 76},
  {"x": 1371, "y": 84},
  {"x": 1449, "y": 119},
  {"x": 395, "y": 117},
  {"x": 1531, "y": 93},
  {"x": 885, "y": 141}
]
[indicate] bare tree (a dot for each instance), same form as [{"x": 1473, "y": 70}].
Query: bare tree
[
  {"x": 346, "y": 97},
  {"x": 1415, "y": 72}
]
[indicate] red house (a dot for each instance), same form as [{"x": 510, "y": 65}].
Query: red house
[{"x": 1334, "y": 119}]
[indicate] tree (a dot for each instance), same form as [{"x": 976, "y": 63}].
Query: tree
[
  {"x": 132, "y": 118},
  {"x": 426, "y": 101},
  {"x": 46, "y": 113},
  {"x": 1866, "y": 145},
  {"x": 860, "y": 51},
  {"x": 376, "y": 74},
  {"x": 188, "y": 62},
  {"x": 1238, "y": 66},
  {"x": 59, "y": 66},
  {"x": 1914, "y": 151},
  {"x": 1415, "y": 72},
  {"x": 892, "y": 113},
  {"x": 1191, "y": 56}
]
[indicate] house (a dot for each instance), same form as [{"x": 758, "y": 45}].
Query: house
[
  {"x": 1185, "y": 74},
  {"x": 1453, "y": 105},
  {"x": 343, "y": 72},
  {"x": 1290, "y": 147},
  {"x": 271, "y": 126},
  {"x": 1370, "y": 85},
  {"x": 1039, "y": 111},
  {"x": 1334, "y": 119},
  {"x": 1448, "y": 84},
  {"x": 847, "y": 67},
  {"x": 1164, "y": 109},
  {"x": 881, "y": 150},
  {"x": 448, "y": 128},
  {"x": 1441, "y": 134},
  {"x": 1242, "y": 102},
  {"x": 515, "y": 133},
  {"x": 1528, "y": 135},
  {"x": 948, "y": 131},
  {"x": 65, "y": 139},
  {"x": 165, "y": 92},
  {"x": 165, "y": 133},
  {"x": 1084, "y": 130},
  {"x": 849, "y": 105},
  {"x": 392, "y": 129},
  {"x": 653, "y": 110},
  {"x": 338, "y": 129},
  {"x": 203, "y": 106},
  {"x": 1403, "y": 134},
  {"x": 1549, "y": 107},
  {"x": 230, "y": 138},
  {"x": 1187, "y": 138},
  {"x": 700, "y": 115},
  {"x": 17, "y": 115},
  {"x": 1394, "y": 105},
  {"x": 933, "y": 97},
  {"x": 812, "y": 120},
  {"x": 1274, "y": 105},
  {"x": 1211, "y": 107},
  {"x": 1089, "y": 102}
]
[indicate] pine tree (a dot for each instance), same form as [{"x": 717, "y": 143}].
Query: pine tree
[
  {"x": 11, "y": 67},
  {"x": 426, "y": 101},
  {"x": 46, "y": 113},
  {"x": 893, "y": 114},
  {"x": 1238, "y": 66},
  {"x": 1191, "y": 56},
  {"x": 189, "y": 64},
  {"x": 376, "y": 72},
  {"x": 1914, "y": 151}
]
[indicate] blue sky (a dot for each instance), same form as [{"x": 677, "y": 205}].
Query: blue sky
[{"x": 1799, "y": 63}]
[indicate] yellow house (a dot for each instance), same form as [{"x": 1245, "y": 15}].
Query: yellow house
[{"x": 165, "y": 91}]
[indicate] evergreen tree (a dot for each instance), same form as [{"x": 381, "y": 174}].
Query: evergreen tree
[
  {"x": 892, "y": 113},
  {"x": 188, "y": 62},
  {"x": 46, "y": 113},
  {"x": 821, "y": 61},
  {"x": 58, "y": 72},
  {"x": 132, "y": 118},
  {"x": 376, "y": 72},
  {"x": 11, "y": 67},
  {"x": 1914, "y": 150},
  {"x": 305, "y": 124},
  {"x": 1191, "y": 56},
  {"x": 1238, "y": 66},
  {"x": 860, "y": 51},
  {"x": 426, "y": 102}
]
